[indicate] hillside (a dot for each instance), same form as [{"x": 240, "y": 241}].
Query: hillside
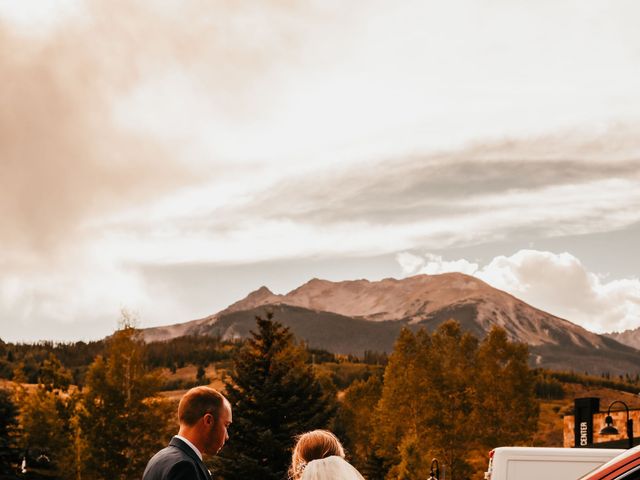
[
  {"x": 330, "y": 331},
  {"x": 353, "y": 316}
]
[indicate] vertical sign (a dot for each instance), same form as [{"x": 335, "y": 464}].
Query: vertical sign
[{"x": 583, "y": 428}]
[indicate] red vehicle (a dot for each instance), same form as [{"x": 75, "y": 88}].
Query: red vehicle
[{"x": 625, "y": 466}]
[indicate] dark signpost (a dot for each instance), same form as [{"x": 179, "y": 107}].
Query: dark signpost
[{"x": 583, "y": 429}]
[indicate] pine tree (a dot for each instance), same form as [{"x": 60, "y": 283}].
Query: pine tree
[
  {"x": 275, "y": 396},
  {"x": 201, "y": 378},
  {"x": 52, "y": 375}
]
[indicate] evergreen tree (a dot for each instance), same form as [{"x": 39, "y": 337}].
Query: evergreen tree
[
  {"x": 275, "y": 396},
  {"x": 123, "y": 422},
  {"x": 52, "y": 375},
  {"x": 201, "y": 378},
  {"x": 507, "y": 411},
  {"x": 8, "y": 426}
]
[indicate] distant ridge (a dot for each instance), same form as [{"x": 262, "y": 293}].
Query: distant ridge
[
  {"x": 371, "y": 314},
  {"x": 628, "y": 337}
]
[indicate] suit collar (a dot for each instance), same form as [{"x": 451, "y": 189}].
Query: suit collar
[
  {"x": 176, "y": 442},
  {"x": 190, "y": 445}
]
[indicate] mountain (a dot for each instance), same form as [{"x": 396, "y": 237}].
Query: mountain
[
  {"x": 358, "y": 315},
  {"x": 628, "y": 337}
]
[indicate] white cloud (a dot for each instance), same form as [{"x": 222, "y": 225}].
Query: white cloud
[
  {"x": 37, "y": 17},
  {"x": 433, "y": 264},
  {"x": 409, "y": 262},
  {"x": 61, "y": 300},
  {"x": 378, "y": 77},
  {"x": 557, "y": 283}
]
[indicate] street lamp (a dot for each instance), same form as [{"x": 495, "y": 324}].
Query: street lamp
[{"x": 609, "y": 429}]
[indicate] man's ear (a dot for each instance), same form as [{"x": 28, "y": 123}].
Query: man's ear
[{"x": 209, "y": 419}]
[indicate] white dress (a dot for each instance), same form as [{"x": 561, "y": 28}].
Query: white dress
[{"x": 330, "y": 468}]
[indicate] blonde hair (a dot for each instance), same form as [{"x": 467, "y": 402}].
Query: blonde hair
[{"x": 313, "y": 445}]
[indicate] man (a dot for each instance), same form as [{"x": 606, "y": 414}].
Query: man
[{"x": 204, "y": 416}]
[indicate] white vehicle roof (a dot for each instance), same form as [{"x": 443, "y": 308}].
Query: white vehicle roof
[{"x": 557, "y": 452}]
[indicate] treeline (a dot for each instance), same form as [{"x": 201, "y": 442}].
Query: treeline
[
  {"x": 442, "y": 394},
  {"x": 188, "y": 350},
  {"x": 76, "y": 357},
  {"x": 199, "y": 350},
  {"x": 625, "y": 383},
  {"x": 29, "y": 357}
]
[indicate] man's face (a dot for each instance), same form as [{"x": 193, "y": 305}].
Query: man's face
[{"x": 217, "y": 429}]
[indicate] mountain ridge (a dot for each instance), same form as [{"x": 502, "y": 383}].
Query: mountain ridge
[
  {"x": 630, "y": 337},
  {"x": 414, "y": 302}
]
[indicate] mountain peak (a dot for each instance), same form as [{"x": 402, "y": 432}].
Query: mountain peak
[
  {"x": 261, "y": 296},
  {"x": 387, "y": 299},
  {"x": 262, "y": 291}
]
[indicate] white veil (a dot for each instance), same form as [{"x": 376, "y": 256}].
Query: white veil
[{"x": 330, "y": 468}]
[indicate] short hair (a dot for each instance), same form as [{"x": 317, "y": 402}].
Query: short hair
[
  {"x": 197, "y": 402},
  {"x": 313, "y": 445}
]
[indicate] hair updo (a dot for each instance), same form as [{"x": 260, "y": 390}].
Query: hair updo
[{"x": 313, "y": 445}]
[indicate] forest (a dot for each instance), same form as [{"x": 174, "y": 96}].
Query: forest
[{"x": 101, "y": 409}]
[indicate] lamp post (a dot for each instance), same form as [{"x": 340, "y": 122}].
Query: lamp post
[{"x": 609, "y": 429}]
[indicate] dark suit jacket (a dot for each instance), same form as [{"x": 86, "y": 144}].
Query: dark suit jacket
[{"x": 178, "y": 461}]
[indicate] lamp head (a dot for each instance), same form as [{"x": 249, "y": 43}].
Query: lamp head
[{"x": 609, "y": 429}]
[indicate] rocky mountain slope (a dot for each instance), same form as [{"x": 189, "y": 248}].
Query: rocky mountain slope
[
  {"x": 353, "y": 316},
  {"x": 628, "y": 337}
]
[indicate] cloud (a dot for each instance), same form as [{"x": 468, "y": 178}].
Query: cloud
[
  {"x": 557, "y": 283},
  {"x": 433, "y": 264},
  {"x": 480, "y": 194},
  {"x": 120, "y": 105},
  {"x": 551, "y": 185},
  {"x": 63, "y": 159},
  {"x": 64, "y": 300},
  {"x": 78, "y": 137},
  {"x": 85, "y": 296}
]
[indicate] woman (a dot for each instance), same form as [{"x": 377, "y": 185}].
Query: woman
[{"x": 318, "y": 455}]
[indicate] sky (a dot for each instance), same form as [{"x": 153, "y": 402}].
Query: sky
[{"x": 169, "y": 157}]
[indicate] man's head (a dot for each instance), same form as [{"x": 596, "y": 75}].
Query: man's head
[{"x": 205, "y": 416}]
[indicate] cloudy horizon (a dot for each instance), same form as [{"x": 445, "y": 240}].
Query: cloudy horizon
[{"x": 170, "y": 157}]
